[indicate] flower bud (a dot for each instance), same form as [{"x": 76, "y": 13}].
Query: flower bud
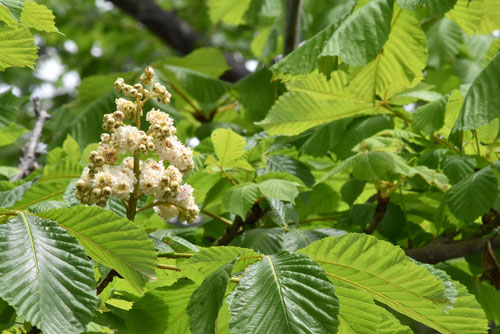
[{"x": 106, "y": 191}]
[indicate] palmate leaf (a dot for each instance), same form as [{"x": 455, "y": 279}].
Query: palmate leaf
[
  {"x": 17, "y": 47},
  {"x": 482, "y": 102},
  {"x": 203, "y": 263},
  {"x": 294, "y": 291},
  {"x": 401, "y": 63},
  {"x": 360, "y": 38},
  {"x": 473, "y": 195},
  {"x": 397, "y": 281},
  {"x": 430, "y": 117},
  {"x": 312, "y": 101},
  {"x": 162, "y": 310},
  {"x": 206, "y": 301},
  {"x": 110, "y": 240},
  {"x": 44, "y": 273}
]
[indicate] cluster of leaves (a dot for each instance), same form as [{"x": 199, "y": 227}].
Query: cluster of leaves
[{"x": 294, "y": 162}]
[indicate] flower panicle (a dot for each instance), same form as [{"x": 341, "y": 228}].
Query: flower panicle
[{"x": 104, "y": 177}]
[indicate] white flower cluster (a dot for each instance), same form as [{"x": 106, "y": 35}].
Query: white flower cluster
[{"x": 102, "y": 178}]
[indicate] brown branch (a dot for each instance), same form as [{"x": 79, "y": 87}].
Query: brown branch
[
  {"x": 105, "y": 282},
  {"x": 292, "y": 26},
  {"x": 437, "y": 252},
  {"x": 175, "y": 32},
  {"x": 239, "y": 225},
  {"x": 27, "y": 162},
  {"x": 380, "y": 209}
]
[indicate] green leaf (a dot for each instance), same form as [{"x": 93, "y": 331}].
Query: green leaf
[
  {"x": 399, "y": 66},
  {"x": 241, "y": 198},
  {"x": 45, "y": 273},
  {"x": 428, "y": 8},
  {"x": 304, "y": 59},
  {"x": 467, "y": 14},
  {"x": 322, "y": 139},
  {"x": 38, "y": 17},
  {"x": 110, "y": 240},
  {"x": 482, "y": 102},
  {"x": 371, "y": 166},
  {"x": 280, "y": 189},
  {"x": 458, "y": 167},
  {"x": 15, "y": 8},
  {"x": 162, "y": 310},
  {"x": 227, "y": 11},
  {"x": 444, "y": 39},
  {"x": 430, "y": 117},
  {"x": 228, "y": 145},
  {"x": 9, "y": 197},
  {"x": 199, "y": 266},
  {"x": 390, "y": 325},
  {"x": 205, "y": 60},
  {"x": 207, "y": 299},
  {"x": 18, "y": 48},
  {"x": 489, "y": 22},
  {"x": 313, "y": 101},
  {"x": 358, "y": 313},
  {"x": 360, "y": 38},
  {"x": 351, "y": 190},
  {"x": 286, "y": 164},
  {"x": 395, "y": 280},
  {"x": 473, "y": 195},
  {"x": 294, "y": 291},
  {"x": 72, "y": 149},
  {"x": 11, "y": 133}
]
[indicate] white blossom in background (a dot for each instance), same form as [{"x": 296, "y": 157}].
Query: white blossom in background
[{"x": 161, "y": 179}]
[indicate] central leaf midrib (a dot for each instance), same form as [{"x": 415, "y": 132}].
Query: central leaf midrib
[{"x": 278, "y": 286}]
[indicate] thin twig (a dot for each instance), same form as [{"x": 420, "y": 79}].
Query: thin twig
[
  {"x": 228, "y": 176},
  {"x": 222, "y": 219},
  {"x": 27, "y": 162}
]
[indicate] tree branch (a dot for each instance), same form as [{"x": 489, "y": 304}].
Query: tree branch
[
  {"x": 27, "y": 162},
  {"x": 292, "y": 26},
  {"x": 175, "y": 32},
  {"x": 380, "y": 209},
  {"x": 239, "y": 224},
  {"x": 437, "y": 252}
]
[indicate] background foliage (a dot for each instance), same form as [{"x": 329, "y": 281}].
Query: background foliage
[{"x": 348, "y": 186}]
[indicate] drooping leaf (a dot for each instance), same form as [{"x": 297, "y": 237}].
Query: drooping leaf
[
  {"x": 473, "y": 195},
  {"x": 205, "y": 60},
  {"x": 18, "y": 48},
  {"x": 360, "y": 38},
  {"x": 395, "y": 280},
  {"x": 38, "y": 17},
  {"x": 207, "y": 299},
  {"x": 110, "y": 240},
  {"x": 298, "y": 297},
  {"x": 430, "y": 117},
  {"x": 45, "y": 272},
  {"x": 286, "y": 164},
  {"x": 163, "y": 310},
  {"x": 482, "y": 103},
  {"x": 458, "y": 167},
  {"x": 279, "y": 189},
  {"x": 240, "y": 199},
  {"x": 401, "y": 63},
  {"x": 203, "y": 263},
  {"x": 322, "y": 139}
]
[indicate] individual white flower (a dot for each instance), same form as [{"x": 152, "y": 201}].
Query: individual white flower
[
  {"x": 172, "y": 150},
  {"x": 167, "y": 211},
  {"x": 162, "y": 183},
  {"x": 161, "y": 124},
  {"x": 123, "y": 181},
  {"x": 125, "y": 106}
]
